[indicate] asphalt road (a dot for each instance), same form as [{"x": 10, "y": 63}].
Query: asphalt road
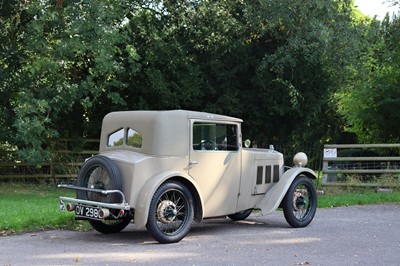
[{"x": 359, "y": 235}]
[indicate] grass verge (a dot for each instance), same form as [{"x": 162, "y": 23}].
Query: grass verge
[
  {"x": 357, "y": 198},
  {"x": 30, "y": 207}
]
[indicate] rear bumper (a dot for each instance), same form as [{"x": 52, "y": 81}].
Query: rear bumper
[{"x": 123, "y": 205}]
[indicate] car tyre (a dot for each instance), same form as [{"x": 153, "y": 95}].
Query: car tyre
[
  {"x": 171, "y": 213},
  {"x": 240, "y": 215},
  {"x": 300, "y": 202},
  {"x": 99, "y": 172},
  {"x": 111, "y": 226}
]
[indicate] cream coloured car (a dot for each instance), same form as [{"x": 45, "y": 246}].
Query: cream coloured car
[{"x": 164, "y": 169}]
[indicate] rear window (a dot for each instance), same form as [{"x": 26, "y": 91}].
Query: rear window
[
  {"x": 116, "y": 138},
  {"x": 132, "y": 138}
]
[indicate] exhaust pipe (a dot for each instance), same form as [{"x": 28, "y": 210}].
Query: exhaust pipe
[
  {"x": 104, "y": 213},
  {"x": 70, "y": 207}
]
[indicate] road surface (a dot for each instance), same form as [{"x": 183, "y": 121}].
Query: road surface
[{"x": 358, "y": 235}]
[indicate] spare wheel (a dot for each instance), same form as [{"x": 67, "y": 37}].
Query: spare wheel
[{"x": 100, "y": 172}]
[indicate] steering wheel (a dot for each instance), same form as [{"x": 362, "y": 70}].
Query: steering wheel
[{"x": 208, "y": 145}]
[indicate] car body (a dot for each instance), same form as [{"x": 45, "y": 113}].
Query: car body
[{"x": 164, "y": 169}]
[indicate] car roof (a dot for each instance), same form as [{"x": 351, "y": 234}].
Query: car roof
[{"x": 164, "y": 132}]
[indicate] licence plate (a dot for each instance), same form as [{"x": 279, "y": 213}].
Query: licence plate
[{"x": 87, "y": 212}]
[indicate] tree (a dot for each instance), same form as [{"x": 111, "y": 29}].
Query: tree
[
  {"x": 274, "y": 63},
  {"x": 11, "y": 21},
  {"x": 370, "y": 100},
  {"x": 188, "y": 53},
  {"x": 302, "y": 49},
  {"x": 69, "y": 56}
]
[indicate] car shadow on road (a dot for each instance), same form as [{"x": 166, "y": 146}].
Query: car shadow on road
[
  {"x": 225, "y": 225},
  {"x": 217, "y": 226}
]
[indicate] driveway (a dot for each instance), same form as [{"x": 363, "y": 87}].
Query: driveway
[{"x": 358, "y": 235}]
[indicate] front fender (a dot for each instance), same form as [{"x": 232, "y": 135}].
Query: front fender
[
  {"x": 148, "y": 190},
  {"x": 272, "y": 199}
]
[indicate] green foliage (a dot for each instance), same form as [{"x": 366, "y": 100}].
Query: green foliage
[
  {"x": 279, "y": 65},
  {"x": 70, "y": 57},
  {"x": 372, "y": 96},
  {"x": 303, "y": 47}
]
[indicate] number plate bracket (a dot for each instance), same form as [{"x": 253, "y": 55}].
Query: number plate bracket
[{"x": 88, "y": 212}]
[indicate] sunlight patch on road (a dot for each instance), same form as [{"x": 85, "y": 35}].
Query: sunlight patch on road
[
  {"x": 294, "y": 240},
  {"x": 113, "y": 257}
]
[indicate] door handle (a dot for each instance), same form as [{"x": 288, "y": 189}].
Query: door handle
[{"x": 193, "y": 163}]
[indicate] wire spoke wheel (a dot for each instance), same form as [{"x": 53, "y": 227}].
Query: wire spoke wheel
[
  {"x": 100, "y": 172},
  {"x": 300, "y": 202},
  {"x": 171, "y": 213},
  {"x": 98, "y": 178}
]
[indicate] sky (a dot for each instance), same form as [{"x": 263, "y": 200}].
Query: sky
[{"x": 375, "y": 7}]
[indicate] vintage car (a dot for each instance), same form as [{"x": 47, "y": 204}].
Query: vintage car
[{"x": 164, "y": 169}]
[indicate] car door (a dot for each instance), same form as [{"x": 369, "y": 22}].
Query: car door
[{"x": 215, "y": 163}]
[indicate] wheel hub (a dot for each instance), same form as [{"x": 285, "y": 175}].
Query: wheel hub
[
  {"x": 166, "y": 211},
  {"x": 299, "y": 201},
  {"x": 98, "y": 184}
]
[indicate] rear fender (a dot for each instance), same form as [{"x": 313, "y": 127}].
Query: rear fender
[
  {"x": 274, "y": 196},
  {"x": 150, "y": 187}
]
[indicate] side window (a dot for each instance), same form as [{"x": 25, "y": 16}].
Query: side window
[
  {"x": 133, "y": 138},
  {"x": 231, "y": 138},
  {"x": 213, "y": 136},
  {"x": 116, "y": 138}
]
